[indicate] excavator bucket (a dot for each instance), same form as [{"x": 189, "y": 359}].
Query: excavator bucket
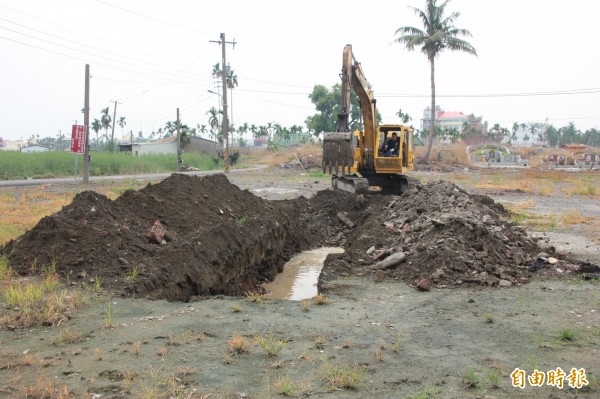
[{"x": 337, "y": 152}]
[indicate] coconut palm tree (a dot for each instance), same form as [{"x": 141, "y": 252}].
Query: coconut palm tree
[
  {"x": 105, "y": 120},
  {"x": 213, "y": 122},
  {"x": 121, "y": 122},
  {"x": 96, "y": 126},
  {"x": 439, "y": 34},
  {"x": 231, "y": 81}
]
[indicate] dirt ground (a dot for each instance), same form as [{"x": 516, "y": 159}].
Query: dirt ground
[{"x": 487, "y": 313}]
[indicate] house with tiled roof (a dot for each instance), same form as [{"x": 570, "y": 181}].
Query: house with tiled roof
[{"x": 451, "y": 120}]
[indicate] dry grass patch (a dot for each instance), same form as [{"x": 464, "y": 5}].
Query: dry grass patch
[
  {"x": 22, "y": 208},
  {"x": 38, "y": 303},
  {"x": 574, "y": 217},
  {"x": 238, "y": 344},
  {"x": 305, "y": 305},
  {"x": 584, "y": 189},
  {"x": 321, "y": 299},
  {"x": 342, "y": 377},
  {"x": 161, "y": 351},
  {"x": 97, "y": 354},
  {"x": 137, "y": 348},
  {"x": 68, "y": 336},
  {"x": 20, "y": 211},
  {"x": 276, "y": 158}
]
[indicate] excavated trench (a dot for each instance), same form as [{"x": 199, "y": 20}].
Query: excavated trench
[
  {"x": 190, "y": 236},
  {"x": 184, "y": 237}
]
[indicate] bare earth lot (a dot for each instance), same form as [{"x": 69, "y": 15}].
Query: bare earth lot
[{"x": 372, "y": 339}]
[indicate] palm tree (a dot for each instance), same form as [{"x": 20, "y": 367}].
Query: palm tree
[
  {"x": 121, "y": 122},
  {"x": 231, "y": 81},
  {"x": 96, "y": 126},
  {"x": 404, "y": 117},
  {"x": 213, "y": 121},
  {"x": 202, "y": 129},
  {"x": 170, "y": 128},
  {"x": 439, "y": 34},
  {"x": 105, "y": 120}
]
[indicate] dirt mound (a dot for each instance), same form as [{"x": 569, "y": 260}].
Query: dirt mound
[
  {"x": 191, "y": 236},
  {"x": 219, "y": 239},
  {"x": 443, "y": 234}
]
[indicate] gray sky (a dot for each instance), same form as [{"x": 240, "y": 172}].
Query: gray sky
[{"x": 154, "y": 56}]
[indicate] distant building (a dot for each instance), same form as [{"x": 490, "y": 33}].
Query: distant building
[
  {"x": 527, "y": 135},
  {"x": 451, "y": 120},
  {"x": 34, "y": 148},
  {"x": 202, "y": 146},
  {"x": 164, "y": 146},
  {"x": 168, "y": 145},
  {"x": 12, "y": 145}
]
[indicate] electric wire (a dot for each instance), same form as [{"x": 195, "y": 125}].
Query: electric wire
[
  {"x": 152, "y": 18},
  {"x": 83, "y": 51},
  {"x": 144, "y": 62},
  {"x": 134, "y": 50}
]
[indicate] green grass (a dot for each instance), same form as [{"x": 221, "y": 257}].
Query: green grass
[
  {"x": 17, "y": 165},
  {"x": 286, "y": 387},
  {"x": 269, "y": 344},
  {"x": 342, "y": 377},
  {"x": 108, "y": 316},
  {"x": 471, "y": 380},
  {"x": 132, "y": 274},
  {"x": 5, "y": 270},
  {"x": 427, "y": 393},
  {"x": 494, "y": 378},
  {"x": 566, "y": 334}
]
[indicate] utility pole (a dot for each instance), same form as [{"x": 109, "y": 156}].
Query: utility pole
[
  {"x": 112, "y": 135},
  {"x": 86, "y": 122},
  {"x": 222, "y": 42},
  {"x": 178, "y": 144}
]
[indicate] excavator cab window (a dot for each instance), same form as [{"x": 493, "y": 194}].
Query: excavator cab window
[{"x": 390, "y": 145}]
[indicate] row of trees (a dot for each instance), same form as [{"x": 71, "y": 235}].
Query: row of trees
[
  {"x": 105, "y": 122},
  {"x": 541, "y": 133}
]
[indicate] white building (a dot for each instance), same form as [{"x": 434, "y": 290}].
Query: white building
[{"x": 34, "y": 148}]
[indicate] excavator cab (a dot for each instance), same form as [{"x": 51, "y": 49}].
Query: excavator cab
[{"x": 399, "y": 162}]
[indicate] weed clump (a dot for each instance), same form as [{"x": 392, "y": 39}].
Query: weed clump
[{"x": 269, "y": 344}]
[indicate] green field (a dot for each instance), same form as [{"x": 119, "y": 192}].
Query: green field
[{"x": 17, "y": 165}]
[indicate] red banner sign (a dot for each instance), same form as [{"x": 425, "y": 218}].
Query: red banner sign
[{"x": 78, "y": 139}]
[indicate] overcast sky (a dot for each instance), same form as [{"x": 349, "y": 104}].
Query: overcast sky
[{"x": 537, "y": 59}]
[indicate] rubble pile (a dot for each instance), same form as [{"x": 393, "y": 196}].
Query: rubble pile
[{"x": 441, "y": 233}]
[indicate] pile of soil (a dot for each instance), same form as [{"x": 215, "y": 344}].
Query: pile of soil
[
  {"x": 218, "y": 239},
  {"x": 442, "y": 235},
  {"x": 193, "y": 236}
]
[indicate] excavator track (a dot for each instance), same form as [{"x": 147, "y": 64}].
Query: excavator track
[{"x": 349, "y": 183}]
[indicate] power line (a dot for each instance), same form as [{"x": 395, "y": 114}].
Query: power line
[
  {"x": 593, "y": 90},
  {"x": 274, "y": 83},
  {"x": 145, "y": 61},
  {"x": 152, "y": 18},
  {"x": 84, "y": 52},
  {"x": 79, "y": 58},
  {"x": 77, "y": 32}
]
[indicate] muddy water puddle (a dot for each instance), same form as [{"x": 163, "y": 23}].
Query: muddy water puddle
[{"x": 299, "y": 277}]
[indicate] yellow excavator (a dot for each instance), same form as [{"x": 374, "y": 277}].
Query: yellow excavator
[{"x": 360, "y": 159}]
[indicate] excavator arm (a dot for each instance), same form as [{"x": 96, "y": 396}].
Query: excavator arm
[{"x": 338, "y": 151}]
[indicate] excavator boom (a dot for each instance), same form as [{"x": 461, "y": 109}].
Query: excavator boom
[{"x": 359, "y": 159}]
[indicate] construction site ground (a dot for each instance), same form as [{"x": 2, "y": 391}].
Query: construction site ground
[{"x": 493, "y": 305}]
